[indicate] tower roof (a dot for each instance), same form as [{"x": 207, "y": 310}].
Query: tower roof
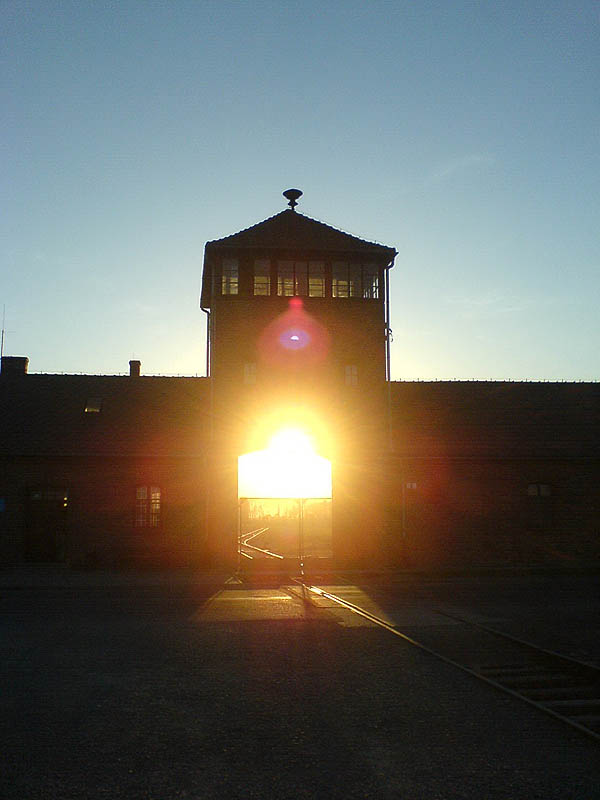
[{"x": 291, "y": 231}]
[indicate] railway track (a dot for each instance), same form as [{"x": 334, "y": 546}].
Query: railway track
[
  {"x": 558, "y": 685},
  {"x": 251, "y": 551}
]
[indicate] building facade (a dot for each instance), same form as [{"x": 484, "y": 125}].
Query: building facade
[
  {"x": 298, "y": 336},
  {"x": 101, "y": 470},
  {"x": 139, "y": 470}
]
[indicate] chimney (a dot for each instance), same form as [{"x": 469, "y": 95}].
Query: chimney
[
  {"x": 134, "y": 369},
  {"x": 14, "y": 365}
]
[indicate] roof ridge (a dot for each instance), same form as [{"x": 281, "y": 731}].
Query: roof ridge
[
  {"x": 287, "y": 214},
  {"x": 250, "y": 227},
  {"x": 346, "y": 233}
]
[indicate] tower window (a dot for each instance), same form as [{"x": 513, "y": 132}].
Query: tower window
[
  {"x": 351, "y": 375},
  {"x": 354, "y": 280},
  {"x": 301, "y": 278},
  {"x": 285, "y": 278},
  {"x": 147, "y": 506},
  {"x": 346, "y": 279},
  {"x": 230, "y": 276},
  {"x": 262, "y": 276},
  {"x": 292, "y": 278},
  {"x": 370, "y": 287},
  {"x": 339, "y": 279},
  {"x": 316, "y": 279}
]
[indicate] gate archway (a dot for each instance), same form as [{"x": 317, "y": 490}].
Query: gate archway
[{"x": 284, "y": 497}]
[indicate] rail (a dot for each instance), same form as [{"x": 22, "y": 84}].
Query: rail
[{"x": 558, "y": 685}]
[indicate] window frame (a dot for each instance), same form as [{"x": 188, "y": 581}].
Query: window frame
[
  {"x": 316, "y": 273},
  {"x": 371, "y": 280},
  {"x": 148, "y": 509},
  {"x": 264, "y": 275},
  {"x": 351, "y": 375},
  {"x": 353, "y": 279},
  {"x": 286, "y": 278},
  {"x": 230, "y": 276},
  {"x": 293, "y": 280},
  {"x": 340, "y": 286}
]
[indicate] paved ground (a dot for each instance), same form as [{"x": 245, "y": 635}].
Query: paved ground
[
  {"x": 557, "y": 611},
  {"x": 162, "y": 689}
]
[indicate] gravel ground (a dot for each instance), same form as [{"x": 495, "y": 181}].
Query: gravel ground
[{"x": 158, "y": 692}]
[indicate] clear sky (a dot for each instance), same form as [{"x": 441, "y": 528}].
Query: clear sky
[{"x": 465, "y": 134}]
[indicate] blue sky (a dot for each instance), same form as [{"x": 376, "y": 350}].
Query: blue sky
[{"x": 465, "y": 134}]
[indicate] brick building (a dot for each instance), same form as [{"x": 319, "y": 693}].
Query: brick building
[{"x": 135, "y": 469}]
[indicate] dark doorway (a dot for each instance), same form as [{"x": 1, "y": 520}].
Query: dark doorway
[{"x": 46, "y": 524}]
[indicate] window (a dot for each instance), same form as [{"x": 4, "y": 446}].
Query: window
[
  {"x": 370, "y": 287},
  {"x": 351, "y": 375},
  {"x": 249, "y": 372},
  {"x": 285, "y": 278},
  {"x": 411, "y": 485},
  {"x": 230, "y": 277},
  {"x": 93, "y": 405},
  {"x": 316, "y": 279},
  {"x": 339, "y": 279},
  {"x": 292, "y": 278},
  {"x": 262, "y": 276},
  {"x": 147, "y": 507},
  {"x": 301, "y": 276},
  {"x": 354, "y": 280},
  {"x": 345, "y": 279},
  {"x": 539, "y": 490}
]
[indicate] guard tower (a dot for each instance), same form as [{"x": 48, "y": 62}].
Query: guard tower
[{"x": 298, "y": 333}]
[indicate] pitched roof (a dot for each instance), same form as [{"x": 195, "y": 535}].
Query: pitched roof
[
  {"x": 44, "y": 415},
  {"x": 469, "y": 419},
  {"x": 290, "y": 230}
]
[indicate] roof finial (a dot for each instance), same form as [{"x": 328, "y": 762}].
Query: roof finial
[{"x": 292, "y": 195}]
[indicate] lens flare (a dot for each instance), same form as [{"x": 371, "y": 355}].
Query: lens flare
[{"x": 294, "y": 339}]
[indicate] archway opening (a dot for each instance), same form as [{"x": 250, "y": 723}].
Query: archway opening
[{"x": 284, "y": 494}]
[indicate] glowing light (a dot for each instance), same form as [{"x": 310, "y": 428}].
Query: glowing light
[
  {"x": 294, "y": 338},
  {"x": 291, "y": 440},
  {"x": 289, "y": 467},
  {"x": 310, "y": 421}
]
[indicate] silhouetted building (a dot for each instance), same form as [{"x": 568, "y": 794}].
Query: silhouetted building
[
  {"x": 117, "y": 470},
  {"x": 102, "y": 469},
  {"x": 298, "y": 334}
]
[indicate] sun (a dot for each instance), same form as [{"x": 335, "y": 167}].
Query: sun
[
  {"x": 291, "y": 440},
  {"x": 288, "y": 468}
]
